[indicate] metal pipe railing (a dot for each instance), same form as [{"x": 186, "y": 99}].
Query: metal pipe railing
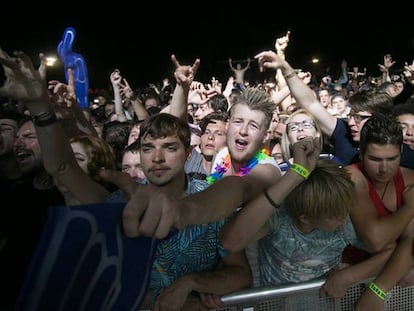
[{"x": 270, "y": 292}]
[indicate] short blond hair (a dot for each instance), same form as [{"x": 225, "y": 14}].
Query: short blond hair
[
  {"x": 328, "y": 192},
  {"x": 258, "y": 100}
]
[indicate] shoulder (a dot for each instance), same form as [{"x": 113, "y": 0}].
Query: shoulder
[
  {"x": 268, "y": 172},
  {"x": 353, "y": 169},
  {"x": 408, "y": 175},
  {"x": 356, "y": 175},
  {"x": 340, "y": 128}
]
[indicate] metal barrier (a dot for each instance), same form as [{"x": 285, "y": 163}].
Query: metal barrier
[{"x": 305, "y": 296}]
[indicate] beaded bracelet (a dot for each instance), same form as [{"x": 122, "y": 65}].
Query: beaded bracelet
[
  {"x": 302, "y": 171},
  {"x": 269, "y": 199},
  {"x": 290, "y": 75},
  {"x": 377, "y": 291}
]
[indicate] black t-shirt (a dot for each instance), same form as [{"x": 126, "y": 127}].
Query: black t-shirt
[
  {"x": 407, "y": 157},
  {"x": 23, "y": 214}
]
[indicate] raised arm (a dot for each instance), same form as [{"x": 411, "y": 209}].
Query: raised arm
[
  {"x": 343, "y": 79},
  {"x": 385, "y": 68},
  {"x": 24, "y": 83},
  {"x": 248, "y": 64},
  {"x": 116, "y": 79},
  {"x": 139, "y": 109},
  {"x": 184, "y": 75},
  {"x": 231, "y": 65},
  {"x": 304, "y": 96},
  {"x": 67, "y": 108},
  {"x": 281, "y": 44}
]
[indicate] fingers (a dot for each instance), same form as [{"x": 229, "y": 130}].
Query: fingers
[
  {"x": 126, "y": 83},
  {"x": 8, "y": 61},
  {"x": 266, "y": 59},
  {"x": 211, "y": 300},
  {"x": 131, "y": 217},
  {"x": 307, "y": 151},
  {"x": 143, "y": 214},
  {"x": 71, "y": 79},
  {"x": 259, "y": 55},
  {"x": 138, "y": 217},
  {"x": 175, "y": 61},
  {"x": 163, "y": 227},
  {"x": 24, "y": 60},
  {"x": 43, "y": 67},
  {"x": 195, "y": 66},
  {"x": 58, "y": 87}
]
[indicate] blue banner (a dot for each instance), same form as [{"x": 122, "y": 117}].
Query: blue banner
[{"x": 84, "y": 261}]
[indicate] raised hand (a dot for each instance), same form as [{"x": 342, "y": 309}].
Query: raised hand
[
  {"x": 116, "y": 78},
  {"x": 63, "y": 94},
  {"x": 184, "y": 75},
  {"x": 43, "y": 67},
  {"x": 305, "y": 76},
  {"x": 126, "y": 89},
  {"x": 216, "y": 85},
  {"x": 23, "y": 81},
  {"x": 409, "y": 72},
  {"x": 282, "y": 43},
  {"x": 388, "y": 63},
  {"x": 306, "y": 152},
  {"x": 269, "y": 60}
]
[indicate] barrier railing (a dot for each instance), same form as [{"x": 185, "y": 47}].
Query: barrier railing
[{"x": 305, "y": 296}]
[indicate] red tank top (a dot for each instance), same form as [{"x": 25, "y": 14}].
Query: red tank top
[{"x": 353, "y": 255}]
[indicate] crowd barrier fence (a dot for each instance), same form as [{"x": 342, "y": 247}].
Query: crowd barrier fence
[{"x": 305, "y": 296}]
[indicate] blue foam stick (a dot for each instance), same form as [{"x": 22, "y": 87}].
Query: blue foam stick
[{"x": 77, "y": 63}]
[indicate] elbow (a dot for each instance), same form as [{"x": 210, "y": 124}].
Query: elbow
[
  {"x": 61, "y": 168},
  {"x": 230, "y": 247},
  {"x": 57, "y": 169},
  {"x": 375, "y": 245},
  {"x": 229, "y": 243}
]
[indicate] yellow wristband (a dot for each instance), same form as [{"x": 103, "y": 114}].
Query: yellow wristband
[
  {"x": 377, "y": 291},
  {"x": 302, "y": 171}
]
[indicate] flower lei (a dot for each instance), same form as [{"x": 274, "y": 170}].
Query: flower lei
[{"x": 219, "y": 170}]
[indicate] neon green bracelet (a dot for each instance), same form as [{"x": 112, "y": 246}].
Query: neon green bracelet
[
  {"x": 377, "y": 291},
  {"x": 302, "y": 171}
]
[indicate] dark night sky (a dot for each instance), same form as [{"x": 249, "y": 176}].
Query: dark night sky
[{"x": 139, "y": 41}]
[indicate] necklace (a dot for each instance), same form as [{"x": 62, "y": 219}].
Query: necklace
[
  {"x": 385, "y": 190},
  {"x": 225, "y": 165}
]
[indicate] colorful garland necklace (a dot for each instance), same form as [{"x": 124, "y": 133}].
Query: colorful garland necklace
[{"x": 219, "y": 170}]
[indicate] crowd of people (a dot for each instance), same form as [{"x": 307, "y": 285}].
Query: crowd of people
[{"x": 245, "y": 184}]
